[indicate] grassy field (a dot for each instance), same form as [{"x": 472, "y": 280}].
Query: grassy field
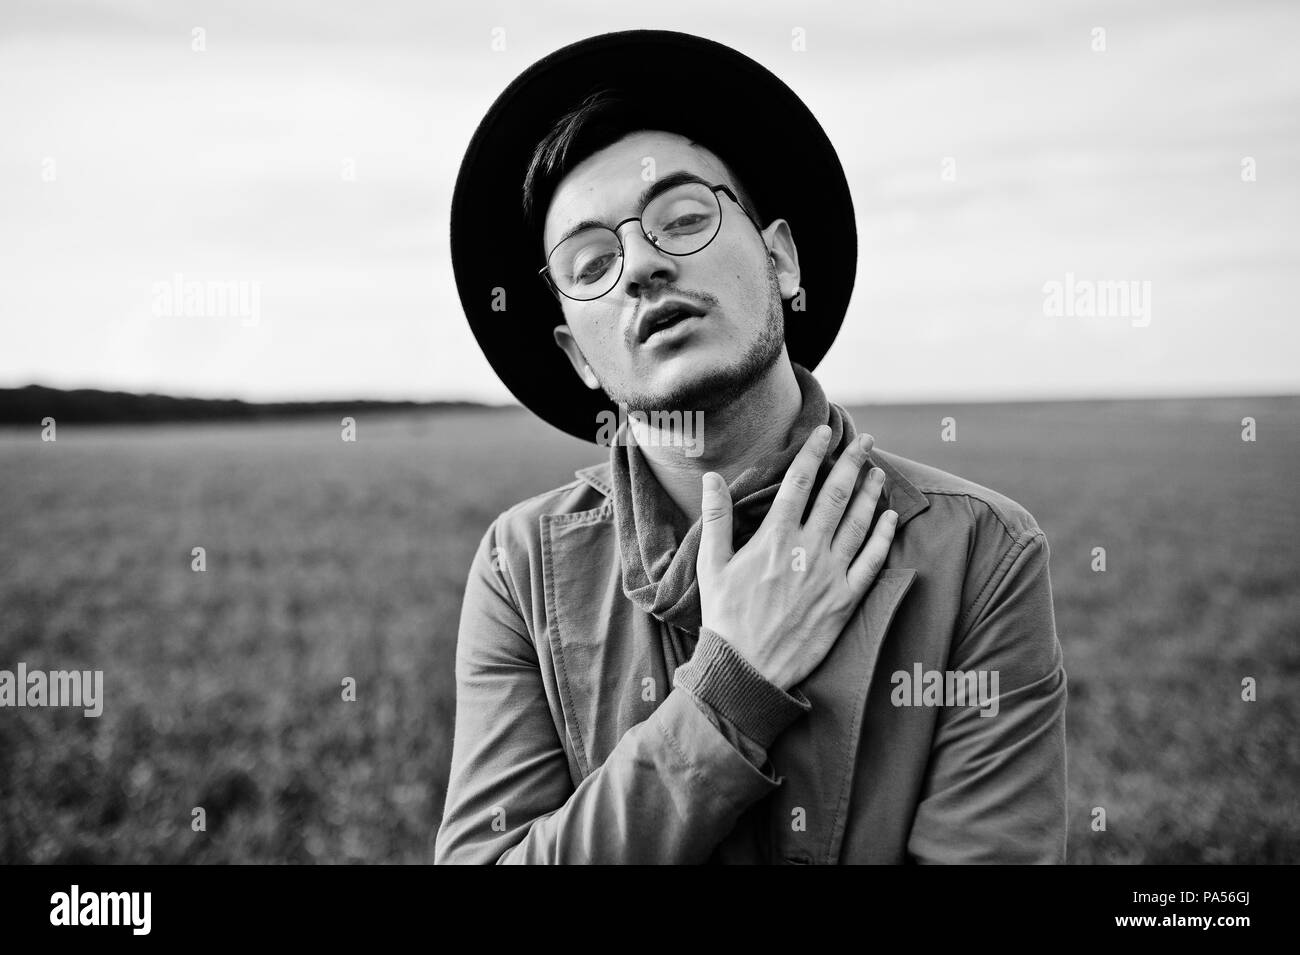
[{"x": 328, "y": 560}]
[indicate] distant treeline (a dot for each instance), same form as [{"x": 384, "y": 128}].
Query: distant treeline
[{"x": 30, "y": 404}]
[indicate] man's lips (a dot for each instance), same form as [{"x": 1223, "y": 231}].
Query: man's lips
[
  {"x": 674, "y": 331},
  {"x": 664, "y": 315}
]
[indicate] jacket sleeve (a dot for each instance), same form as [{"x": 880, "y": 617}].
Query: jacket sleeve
[
  {"x": 670, "y": 791},
  {"x": 995, "y": 790}
]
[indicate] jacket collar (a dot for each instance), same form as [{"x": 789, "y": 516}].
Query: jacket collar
[{"x": 901, "y": 495}]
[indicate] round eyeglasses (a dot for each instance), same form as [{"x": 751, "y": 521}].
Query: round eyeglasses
[{"x": 681, "y": 220}]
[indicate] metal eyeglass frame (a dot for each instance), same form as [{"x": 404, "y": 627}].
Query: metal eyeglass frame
[{"x": 545, "y": 270}]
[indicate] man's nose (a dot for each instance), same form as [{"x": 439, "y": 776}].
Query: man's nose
[{"x": 644, "y": 265}]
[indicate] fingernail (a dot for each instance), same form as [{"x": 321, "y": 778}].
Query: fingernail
[{"x": 864, "y": 442}]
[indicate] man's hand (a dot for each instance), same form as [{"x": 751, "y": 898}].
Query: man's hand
[{"x": 783, "y": 598}]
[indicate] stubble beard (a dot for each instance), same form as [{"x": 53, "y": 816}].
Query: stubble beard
[{"x": 723, "y": 386}]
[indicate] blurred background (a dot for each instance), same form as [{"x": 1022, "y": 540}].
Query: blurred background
[{"x": 307, "y": 151}]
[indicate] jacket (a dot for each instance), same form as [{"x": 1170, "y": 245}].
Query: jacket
[{"x": 572, "y": 744}]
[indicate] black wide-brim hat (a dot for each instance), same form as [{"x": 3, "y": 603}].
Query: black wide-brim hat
[{"x": 709, "y": 92}]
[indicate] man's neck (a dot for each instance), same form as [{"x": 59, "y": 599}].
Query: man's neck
[{"x": 734, "y": 438}]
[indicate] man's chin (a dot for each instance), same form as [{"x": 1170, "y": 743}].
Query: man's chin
[
  {"x": 699, "y": 382},
  {"x": 675, "y": 382}
]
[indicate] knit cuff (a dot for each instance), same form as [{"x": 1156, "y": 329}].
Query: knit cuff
[{"x": 719, "y": 676}]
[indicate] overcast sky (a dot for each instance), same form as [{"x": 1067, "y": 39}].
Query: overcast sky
[{"x": 127, "y": 157}]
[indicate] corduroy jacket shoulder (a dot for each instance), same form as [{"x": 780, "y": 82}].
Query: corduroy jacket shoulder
[{"x": 571, "y": 743}]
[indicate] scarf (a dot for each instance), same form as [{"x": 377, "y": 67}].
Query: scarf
[{"x": 658, "y": 547}]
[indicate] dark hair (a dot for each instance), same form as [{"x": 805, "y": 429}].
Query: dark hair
[{"x": 601, "y": 119}]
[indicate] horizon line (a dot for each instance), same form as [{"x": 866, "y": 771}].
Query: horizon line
[{"x": 1040, "y": 398}]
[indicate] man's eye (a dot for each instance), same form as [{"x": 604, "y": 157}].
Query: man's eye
[
  {"x": 686, "y": 223},
  {"x": 595, "y": 268}
]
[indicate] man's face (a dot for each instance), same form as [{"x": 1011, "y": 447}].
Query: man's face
[{"x": 698, "y": 361}]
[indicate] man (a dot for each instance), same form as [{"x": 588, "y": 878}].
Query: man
[{"x": 748, "y": 636}]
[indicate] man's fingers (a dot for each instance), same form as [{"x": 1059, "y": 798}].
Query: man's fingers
[
  {"x": 857, "y": 519},
  {"x": 715, "y": 511},
  {"x": 838, "y": 490},
  {"x": 865, "y": 567},
  {"x": 792, "y": 496}
]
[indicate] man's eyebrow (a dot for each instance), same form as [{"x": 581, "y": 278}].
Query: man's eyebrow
[{"x": 660, "y": 185}]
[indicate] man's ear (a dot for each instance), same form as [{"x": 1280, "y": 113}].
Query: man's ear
[
  {"x": 784, "y": 255},
  {"x": 564, "y": 338}
]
